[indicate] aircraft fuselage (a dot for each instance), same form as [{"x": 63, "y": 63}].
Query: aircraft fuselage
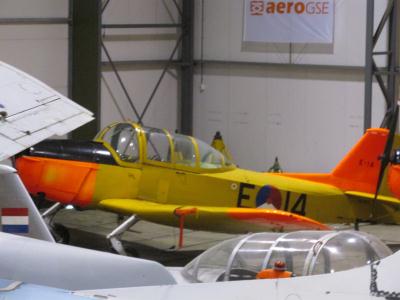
[{"x": 85, "y": 184}]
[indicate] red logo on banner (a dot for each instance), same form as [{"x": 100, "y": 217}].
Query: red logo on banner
[
  {"x": 319, "y": 7},
  {"x": 256, "y": 8}
]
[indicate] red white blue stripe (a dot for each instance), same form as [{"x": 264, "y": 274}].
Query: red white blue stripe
[{"x": 15, "y": 220}]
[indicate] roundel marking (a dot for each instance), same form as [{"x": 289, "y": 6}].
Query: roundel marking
[{"x": 269, "y": 195}]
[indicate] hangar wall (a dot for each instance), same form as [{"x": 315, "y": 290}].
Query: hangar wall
[
  {"x": 140, "y": 44},
  {"x": 308, "y": 117},
  {"x": 41, "y": 50}
]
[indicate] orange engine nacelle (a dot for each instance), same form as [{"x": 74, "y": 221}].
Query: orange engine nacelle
[{"x": 68, "y": 182}]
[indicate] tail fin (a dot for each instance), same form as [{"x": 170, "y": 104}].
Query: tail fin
[
  {"x": 359, "y": 169},
  {"x": 218, "y": 143},
  {"x": 361, "y": 165},
  {"x": 19, "y": 214},
  {"x": 30, "y": 112}
]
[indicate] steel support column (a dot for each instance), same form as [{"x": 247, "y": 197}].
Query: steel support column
[
  {"x": 393, "y": 58},
  {"x": 85, "y": 65},
  {"x": 368, "y": 65},
  {"x": 187, "y": 68},
  {"x": 389, "y": 86}
]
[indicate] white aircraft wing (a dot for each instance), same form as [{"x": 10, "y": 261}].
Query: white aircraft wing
[
  {"x": 376, "y": 281},
  {"x": 31, "y": 111},
  {"x": 73, "y": 268}
]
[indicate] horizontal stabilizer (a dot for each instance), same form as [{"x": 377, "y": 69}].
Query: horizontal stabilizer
[
  {"x": 31, "y": 111},
  {"x": 369, "y": 196}
]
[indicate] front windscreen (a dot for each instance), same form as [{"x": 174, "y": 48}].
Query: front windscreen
[
  {"x": 123, "y": 139},
  {"x": 211, "y": 265}
]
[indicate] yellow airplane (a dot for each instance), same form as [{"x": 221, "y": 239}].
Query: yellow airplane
[
  {"x": 178, "y": 180},
  {"x": 218, "y": 143}
]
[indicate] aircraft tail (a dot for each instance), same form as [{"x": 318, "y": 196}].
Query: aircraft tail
[
  {"x": 218, "y": 143},
  {"x": 359, "y": 169},
  {"x": 19, "y": 214}
]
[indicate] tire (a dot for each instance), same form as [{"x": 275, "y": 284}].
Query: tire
[{"x": 60, "y": 233}]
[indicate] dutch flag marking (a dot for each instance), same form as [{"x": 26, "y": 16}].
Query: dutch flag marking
[{"x": 15, "y": 220}]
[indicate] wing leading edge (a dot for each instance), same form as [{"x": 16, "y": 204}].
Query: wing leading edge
[{"x": 222, "y": 219}]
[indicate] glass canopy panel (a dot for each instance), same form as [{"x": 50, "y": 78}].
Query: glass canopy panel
[
  {"x": 211, "y": 264},
  {"x": 158, "y": 146},
  {"x": 314, "y": 252},
  {"x": 347, "y": 250},
  {"x": 123, "y": 139},
  {"x": 211, "y": 158},
  {"x": 253, "y": 252},
  {"x": 185, "y": 153},
  {"x": 379, "y": 247},
  {"x": 293, "y": 249}
]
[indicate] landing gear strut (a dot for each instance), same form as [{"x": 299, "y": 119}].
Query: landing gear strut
[
  {"x": 59, "y": 232},
  {"x": 114, "y": 237}
]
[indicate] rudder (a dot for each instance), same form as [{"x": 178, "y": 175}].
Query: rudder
[
  {"x": 362, "y": 163},
  {"x": 19, "y": 214}
]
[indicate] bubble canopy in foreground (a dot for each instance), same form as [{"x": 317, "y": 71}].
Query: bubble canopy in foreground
[{"x": 305, "y": 253}]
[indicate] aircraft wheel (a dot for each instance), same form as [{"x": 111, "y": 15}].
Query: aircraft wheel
[
  {"x": 40, "y": 201},
  {"x": 60, "y": 233}
]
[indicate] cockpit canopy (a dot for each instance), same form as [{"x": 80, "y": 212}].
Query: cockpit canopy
[
  {"x": 133, "y": 143},
  {"x": 304, "y": 252}
]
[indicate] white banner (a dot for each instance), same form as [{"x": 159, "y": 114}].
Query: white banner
[{"x": 289, "y": 21}]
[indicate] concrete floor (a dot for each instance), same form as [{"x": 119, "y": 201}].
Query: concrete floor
[
  {"x": 146, "y": 240},
  {"x": 157, "y": 242}
]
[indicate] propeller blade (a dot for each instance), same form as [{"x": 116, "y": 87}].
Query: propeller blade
[{"x": 385, "y": 158}]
